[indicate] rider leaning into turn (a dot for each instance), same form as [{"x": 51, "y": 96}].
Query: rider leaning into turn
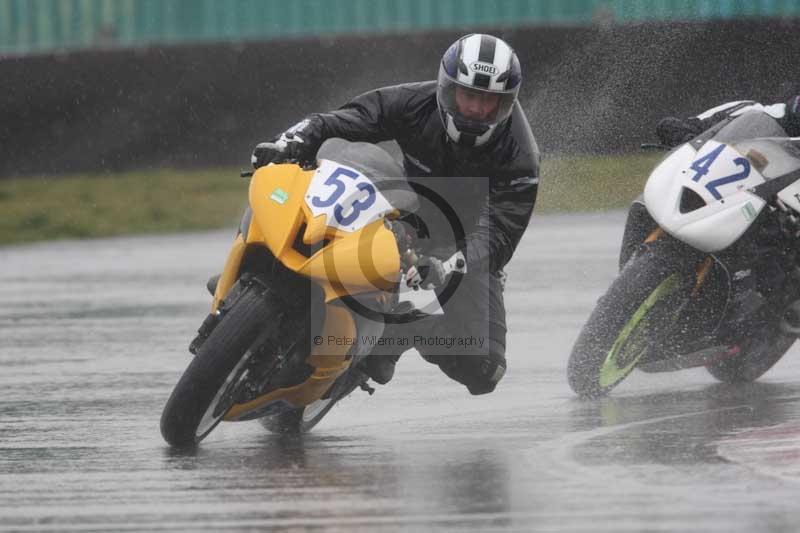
[
  {"x": 469, "y": 123},
  {"x": 674, "y": 131}
]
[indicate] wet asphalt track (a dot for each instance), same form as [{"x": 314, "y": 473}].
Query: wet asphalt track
[{"x": 93, "y": 336}]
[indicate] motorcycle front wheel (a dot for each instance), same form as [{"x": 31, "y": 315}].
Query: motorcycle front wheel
[
  {"x": 209, "y": 386},
  {"x": 637, "y": 313}
]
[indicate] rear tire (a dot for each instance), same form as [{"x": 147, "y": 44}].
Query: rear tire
[
  {"x": 303, "y": 419},
  {"x": 198, "y": 402},
  {"x": 617, "y": 334},
  {"x": 758, "y": 354},
  {"x": 298, "y": 420}
]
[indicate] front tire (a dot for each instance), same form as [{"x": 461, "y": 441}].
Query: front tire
[
  {"x": 642, "y": 305},
  {"x": 207, "y": 388}
]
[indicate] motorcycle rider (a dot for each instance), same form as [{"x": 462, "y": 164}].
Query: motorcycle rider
[
  {"x": 468, "y": 123},
  {"x": 673, "y": 131}
]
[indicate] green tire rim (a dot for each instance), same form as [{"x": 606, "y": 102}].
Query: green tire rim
[{"x": 631, "y": 345}]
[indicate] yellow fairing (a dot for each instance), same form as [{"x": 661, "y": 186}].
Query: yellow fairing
[
  {"x": 351, "y": 263},
  {"x": 230, "y": 272},
  {"x": 329, "y": 362}
]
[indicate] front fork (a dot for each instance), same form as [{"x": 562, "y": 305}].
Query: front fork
[
  {"x": 708, "y": 300},
  {"x": 220, "y": 307},
  {"x": 749, "y": 304}
]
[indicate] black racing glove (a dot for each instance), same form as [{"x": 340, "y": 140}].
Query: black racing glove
[
  {"x": 298, "y": 144},
  {"x": 673, "y": 131},
  {"x": 791, "y": 121},
  {"x": 288, "y": 148}
]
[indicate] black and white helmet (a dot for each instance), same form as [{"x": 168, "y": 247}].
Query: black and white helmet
[{"x": 479, "y": 80}]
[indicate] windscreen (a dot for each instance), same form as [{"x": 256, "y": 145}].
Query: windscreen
[
  {"x": 773, "y": 157},
  {"x": 378, "y": 165},
  {"x": 759, "y": 138},
  {"x": 749, "y": 126}
]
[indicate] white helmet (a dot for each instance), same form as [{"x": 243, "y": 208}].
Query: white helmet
[{"x": 479, "y": 80}]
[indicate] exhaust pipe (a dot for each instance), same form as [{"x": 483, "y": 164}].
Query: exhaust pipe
[{"x": 790, "y": 322}]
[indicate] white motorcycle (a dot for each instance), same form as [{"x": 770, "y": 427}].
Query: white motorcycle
[{"x": 708, "y": 265}]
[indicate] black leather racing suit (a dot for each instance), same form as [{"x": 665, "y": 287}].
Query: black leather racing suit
[{"x": 494, "y": 222}]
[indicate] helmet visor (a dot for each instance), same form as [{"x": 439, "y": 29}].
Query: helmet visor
[{"x": 475, "y": 106}]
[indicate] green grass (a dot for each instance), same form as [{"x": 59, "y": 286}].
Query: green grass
[
  {"x": 166, "y": 201},
  {"x": 159, "y": 201},
  {"x": 593, "y": 183}
]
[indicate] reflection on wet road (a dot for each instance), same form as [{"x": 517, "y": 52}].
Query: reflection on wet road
[{"x": 93, "y": 336}]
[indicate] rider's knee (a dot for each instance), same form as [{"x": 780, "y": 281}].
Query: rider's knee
[
  {"x": 483, "y": 372},
  {"x": 479, "y": 370},
  {"x": 490, "y": 370}
]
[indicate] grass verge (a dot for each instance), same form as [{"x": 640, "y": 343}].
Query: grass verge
[
  {"x": 161, "y": 201},
  {"x": 594, "y": 183},
  {"x": 166, "y": 201}
]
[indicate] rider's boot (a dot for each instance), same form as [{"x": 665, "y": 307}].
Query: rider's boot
[{"x": 380, "y": 367}]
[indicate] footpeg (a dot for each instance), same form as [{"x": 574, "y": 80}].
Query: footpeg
[{"x": 366, "y": 388}]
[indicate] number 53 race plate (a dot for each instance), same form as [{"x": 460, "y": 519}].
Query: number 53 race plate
[{"x": 348, "y": 198}]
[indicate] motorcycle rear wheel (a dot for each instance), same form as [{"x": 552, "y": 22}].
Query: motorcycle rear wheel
[
  {"x": 758, "y": 354},
  {"x": 303, "y": 419},
  {"x": 298, "y": 420},
  {"x": 207, "y": 389}
]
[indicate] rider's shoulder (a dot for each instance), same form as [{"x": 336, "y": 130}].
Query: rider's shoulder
[
  {"x": 526, "y": 155},
  {"x": 417, "y": 89},
  {"x": 403, "y": 97}
]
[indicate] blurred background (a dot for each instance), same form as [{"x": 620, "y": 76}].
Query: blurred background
[{"x": 170, "y": 87}]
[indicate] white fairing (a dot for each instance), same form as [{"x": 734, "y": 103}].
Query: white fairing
[
  {"x": 721, "y": 176},
  {"x": 791, "y": 196}
]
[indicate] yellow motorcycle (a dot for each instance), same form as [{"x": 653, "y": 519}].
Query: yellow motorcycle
[{"x": 311, "y": 277}]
